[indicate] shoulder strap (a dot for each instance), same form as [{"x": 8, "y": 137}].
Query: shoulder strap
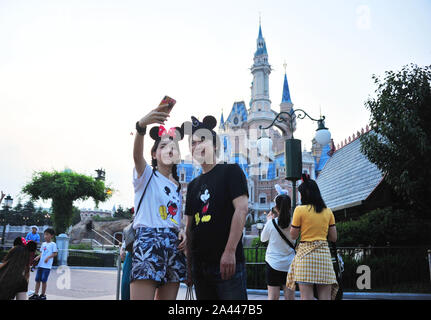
[
  {"x": 282, "y": 235},
  {"x": 145, "y": 190}
]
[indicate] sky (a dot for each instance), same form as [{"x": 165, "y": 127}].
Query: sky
[{"x": 75, "y": 76}]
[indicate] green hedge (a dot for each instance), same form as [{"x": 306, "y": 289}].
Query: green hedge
[
  {"x": 392, "y": 270},
  {"x": 382, "y": 226}
]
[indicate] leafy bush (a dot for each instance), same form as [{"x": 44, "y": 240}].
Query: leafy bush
[
  {"x": 392, "y": 269},
  {"x": 81, "y": 246},
  {"x": 380, "y": 226},
  {"x": 99, "y": 218}
]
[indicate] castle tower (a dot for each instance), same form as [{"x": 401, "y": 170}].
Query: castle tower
[
  {"x": 286, "y": 105},
  {"x": 260, "y": 105}
]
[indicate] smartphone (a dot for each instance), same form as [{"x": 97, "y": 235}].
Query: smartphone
[{"x": 166, "y": 104}]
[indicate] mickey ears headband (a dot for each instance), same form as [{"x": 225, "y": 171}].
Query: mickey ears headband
[
  {"x": 29, "y": 245},
  {"x": 175, "y": 133},
  {"x": 209, "y": 123},
  {"x": 280, "y": 191},
  {"x": 305, "y": 177}
]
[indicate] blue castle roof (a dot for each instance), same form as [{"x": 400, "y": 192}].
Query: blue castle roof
[
  {"x": 221, "y": 121},
  {"x": 240, "y": 109},
  {"x": 324, "y": 157},
  {"x": 286, "y": 92},
  {"x": 260, "y": 49}
]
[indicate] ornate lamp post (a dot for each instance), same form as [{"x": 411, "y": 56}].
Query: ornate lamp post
[
  {"x": 292, "y": 147},
  {"x": 7, "y": 205},
  {"x": 100, "y": 174}
]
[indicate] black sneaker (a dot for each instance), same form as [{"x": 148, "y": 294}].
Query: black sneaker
[
  {"x": 34, "y": 296},
  {"x": 42, "y": 297}
]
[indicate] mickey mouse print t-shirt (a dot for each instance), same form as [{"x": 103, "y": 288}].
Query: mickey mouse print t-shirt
[
  {"x": 209, "y": 203},
  {"x": 161, "y": 205}
]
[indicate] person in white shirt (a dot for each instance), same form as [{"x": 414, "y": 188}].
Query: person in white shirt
[
  {"x": 48, "y": 250},
  {"x": 158, "y": 260},
  {"x": 279, "y": 254}
]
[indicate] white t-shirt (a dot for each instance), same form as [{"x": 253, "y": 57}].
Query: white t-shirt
[
  {"x": 47, "y": 249},
  {"x": 279, "y": 254},
  {"x": 161, "y": 205}
]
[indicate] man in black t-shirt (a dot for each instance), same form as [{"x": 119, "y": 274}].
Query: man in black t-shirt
[{"x": 216, "y": 209}]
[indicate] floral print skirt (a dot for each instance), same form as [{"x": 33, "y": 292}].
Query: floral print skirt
[{"x": 156, "y": 256}]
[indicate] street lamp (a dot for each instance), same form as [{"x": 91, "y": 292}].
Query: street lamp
[
  {"x": 7, "y": 205},
  {"x": 100, "y": 174},
  {"x": 259, "y": 227},
  {"x": 292, "y": 147}
]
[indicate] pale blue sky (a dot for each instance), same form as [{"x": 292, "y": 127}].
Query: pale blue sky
[{"x": 76, "y": 75}]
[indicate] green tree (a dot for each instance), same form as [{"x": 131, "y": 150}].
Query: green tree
[
  {"x": 120, "y": 213},
  {"x": 382, "y": 226},
  {"x": 400, "y": 141},
  {"x": 64, "y": 188}
]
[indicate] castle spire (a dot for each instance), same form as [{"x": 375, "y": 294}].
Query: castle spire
[
  {"x": 261, "y": 45},
  {"x": 286, "y": 92},
  {"x": 221, "y": 120}
]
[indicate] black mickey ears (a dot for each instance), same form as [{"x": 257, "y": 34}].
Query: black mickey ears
[
  {"x": 154, "y": 133},
  {"x": 305, "y": 177},
  {"x": 209, "y": 122},
  {"x": 31, "y": 246}
]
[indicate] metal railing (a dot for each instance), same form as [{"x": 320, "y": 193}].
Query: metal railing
[{"x": 393, "y": 269}]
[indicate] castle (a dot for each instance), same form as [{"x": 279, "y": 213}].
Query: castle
[{"x": 239, "y": 135}]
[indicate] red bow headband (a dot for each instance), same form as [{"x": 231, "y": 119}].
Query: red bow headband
[
  {"x": 24, "y": 242},
  {"x": 171, "y": 132}
]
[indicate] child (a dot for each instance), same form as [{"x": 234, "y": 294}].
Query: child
[
  {"x": 46, "y": 258},
  {"x": 15, "y": 269}
]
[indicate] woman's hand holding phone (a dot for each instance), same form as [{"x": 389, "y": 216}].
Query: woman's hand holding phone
[
  {"x": 154, "y": 116},
  {"x": 160, "y": 114},
  {"x": 166, "y": 104}
]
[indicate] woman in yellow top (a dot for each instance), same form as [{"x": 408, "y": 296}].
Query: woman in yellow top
[{"x": 312, "y": 263}]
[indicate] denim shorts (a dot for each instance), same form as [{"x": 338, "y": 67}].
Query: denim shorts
[
  {"x": 156, "y": 256},
  {"x": 42, "y": 274}
]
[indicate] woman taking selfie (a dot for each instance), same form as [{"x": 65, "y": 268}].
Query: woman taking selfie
[
  {"x": 312, "y": 263},
  {"x": 158, "y": 263}
]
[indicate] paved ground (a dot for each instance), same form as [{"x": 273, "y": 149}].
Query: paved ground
[
  {"x": 101, "y": 284},
  {"x": 91, "y": 284}
]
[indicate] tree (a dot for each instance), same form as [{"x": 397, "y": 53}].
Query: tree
[
  {"x": 64, "y": 188},
  {"x": 123, "y": 214},
  {"x": 400, "y": 141}
]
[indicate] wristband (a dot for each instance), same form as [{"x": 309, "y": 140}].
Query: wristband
[{"x": 141, "y": 130}]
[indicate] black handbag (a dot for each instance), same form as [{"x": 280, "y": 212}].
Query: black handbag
[
  {"x": 338, "y": 272},
  {"x": 129, "y": 232},
  {"x": 337, "y": 268}
]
